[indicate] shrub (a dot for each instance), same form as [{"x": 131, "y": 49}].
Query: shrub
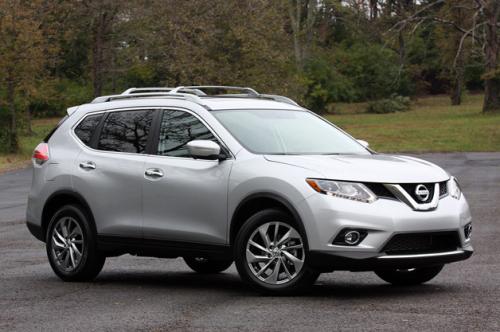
[
  {"x": 389, "y": 105},
  {"x": 4, "y": 130},
  {"x": 325, "y": 85}
]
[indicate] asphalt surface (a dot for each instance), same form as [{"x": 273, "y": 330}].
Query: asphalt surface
[{"x": 153, "y": 294}]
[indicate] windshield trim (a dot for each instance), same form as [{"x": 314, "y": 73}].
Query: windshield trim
[{"x": 289, "y": 154}]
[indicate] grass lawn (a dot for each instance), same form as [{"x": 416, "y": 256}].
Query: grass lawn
[{"x": 432, "y": 125}]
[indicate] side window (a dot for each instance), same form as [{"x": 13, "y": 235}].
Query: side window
[
  {"x": 86, "y": 128},
  {"x": 126, "y": 131},
  {"x": 177, "y": 129}
]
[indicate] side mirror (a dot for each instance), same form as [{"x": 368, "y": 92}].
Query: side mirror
[
  {"x": 364, "y": 143},
  {"x": 204, "y": 149}
]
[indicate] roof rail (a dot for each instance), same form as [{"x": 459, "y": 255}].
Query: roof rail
[
  {"x": 279, "y": 98},
  {"x": 185, "y": 96},
  {"x": 192, "y": 93},
  {"x": 146, "y": 90},
  {"x": 249, "y": 91}
]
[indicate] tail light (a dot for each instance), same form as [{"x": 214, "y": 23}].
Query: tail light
[{"x": 41, "y": 153}]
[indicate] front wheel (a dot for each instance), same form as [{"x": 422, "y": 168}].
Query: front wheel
[
  {"x": 406, "y": 277},
  {"x": 271, "y": 254},
  {"x": 206, "y": 265}
]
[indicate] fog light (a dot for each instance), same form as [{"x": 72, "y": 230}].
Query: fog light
[
  {"x": 468, "y": 231},
  {"x": 350, "y": 237}
]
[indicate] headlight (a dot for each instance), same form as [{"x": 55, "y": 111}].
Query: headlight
[
  {"x": 349, "y": 190},
  {"x": 454, "y": 188}
]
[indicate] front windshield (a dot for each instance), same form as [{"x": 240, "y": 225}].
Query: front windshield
[{"x": 286, "y": 132}]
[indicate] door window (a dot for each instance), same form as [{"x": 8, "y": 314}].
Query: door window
[
  {"x": 126, "y": 131},
  {"x": 177, "y": 129}
]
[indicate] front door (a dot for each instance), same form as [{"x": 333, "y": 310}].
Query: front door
[{"x": 184, "y": 199}]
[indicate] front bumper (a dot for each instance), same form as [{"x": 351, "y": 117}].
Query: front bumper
[
  {"x": 324, "y": 217},
  {"x": 329, "y": 261}
]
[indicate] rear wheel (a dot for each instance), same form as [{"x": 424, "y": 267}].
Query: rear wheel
[
  {"x": 406, "y": 277},
  {"x": 71, "y": 245},
  {"x": 271, "y": 254},
  {"x": 206, "y": 265}
]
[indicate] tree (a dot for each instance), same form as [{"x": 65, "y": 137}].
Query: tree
[
  {"x": 453, "y": 20},
  {"x": 302, "y": 15},
  {"x": 22, "y": 57},
  {"x": 485, "y": 17},
  {"x": 491, "y": 12},
  {"x": 102, "y": 15}
]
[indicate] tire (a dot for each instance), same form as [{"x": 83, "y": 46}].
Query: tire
[
  {"x": 207, "y": 266},
  {"x": 71, "y": 245},
  {"x": 274, "y": 270},
  {"x": 408, "y": 277}
]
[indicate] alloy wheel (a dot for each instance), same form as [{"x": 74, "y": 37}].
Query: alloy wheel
[
  {"x": 67, "y": 244},
  {"x": 275, "y": 253}
]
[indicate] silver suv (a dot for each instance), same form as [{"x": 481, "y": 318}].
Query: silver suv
[{"x": 223, "y": 174}]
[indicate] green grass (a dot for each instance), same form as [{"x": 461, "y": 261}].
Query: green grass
[
  {"x": 432, "y": 125},
  {"x": 26, "y": 144}
]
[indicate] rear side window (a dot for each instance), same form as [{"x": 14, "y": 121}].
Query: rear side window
[
  {"x": 126, "y": 131},
  {"x": 49, "y": 135},
  {"x": 177, "y": 129},
  {"x": 86, "y": 128}
]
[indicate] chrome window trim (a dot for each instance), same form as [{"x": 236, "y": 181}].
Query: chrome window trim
[
  {"x": 160, "y": 108},
  {"x": 224, "y": 145}
]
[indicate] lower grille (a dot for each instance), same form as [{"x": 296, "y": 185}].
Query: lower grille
[{"x": 422, "y": 243}]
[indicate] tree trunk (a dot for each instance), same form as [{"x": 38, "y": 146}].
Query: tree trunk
[
  {"x": 492, "y": 75},
  {"x": 28, "y": 121},
  {"x": 97, "y": 53},
  {"x": 458, "y": 73},
  {"x": 295, "y": 14},
  {"x": 302, "y": 28},
  {"x": 13, "y": 139},
  {"x": 373, "y": 9},
  {"x": 456, "y": 93}
]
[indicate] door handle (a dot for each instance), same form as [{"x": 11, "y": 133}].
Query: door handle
[
  {"x": 87, "y": 165},
  {"x": 154, "y": 172}
]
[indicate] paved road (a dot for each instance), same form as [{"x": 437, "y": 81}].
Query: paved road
[{"x": 154, "y": 294}]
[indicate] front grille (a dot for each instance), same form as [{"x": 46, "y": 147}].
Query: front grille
[
  {"x": 411, "y": 187},
  {"x": 422, "y": 243},
  {"x": 380, "y": 190}
]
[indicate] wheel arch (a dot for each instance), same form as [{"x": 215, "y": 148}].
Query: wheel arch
[
  {"x": 258, "y": 202},
  {"x": 59, "y": 199}
]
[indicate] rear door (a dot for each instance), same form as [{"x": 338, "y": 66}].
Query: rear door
[
  {"x": 184, "y": 199},
  {"x": 109, "y": 170}
]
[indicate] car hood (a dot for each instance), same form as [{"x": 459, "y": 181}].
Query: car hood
[{"x": 367, "y": 168}]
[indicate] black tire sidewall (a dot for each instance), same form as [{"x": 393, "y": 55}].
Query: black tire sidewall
[
  {"x": 209, "y": 266},
  {"x": 89, "y": 255},
  {"x": 407, "y": 278},
  {"x": 305, "y": 277}
]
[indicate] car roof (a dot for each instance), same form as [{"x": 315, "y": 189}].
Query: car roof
[{"x": 208, "y": 103}]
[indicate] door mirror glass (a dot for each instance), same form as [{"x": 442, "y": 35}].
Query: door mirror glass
[
  {"x": 364, "y": 143},
  {"x": 204, "y": 149}
]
